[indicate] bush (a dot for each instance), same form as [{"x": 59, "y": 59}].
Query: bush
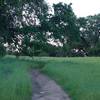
[
  {"x": 17, "y": 54},
  {"x": 43, "y": 54},
  {"x": 2, "y": 50},
  {"x": 94, "y": 52}
]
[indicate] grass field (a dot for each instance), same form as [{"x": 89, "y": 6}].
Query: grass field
[
  {"x": 15, "y": 83},
  {"x": 80, "y": 77}
]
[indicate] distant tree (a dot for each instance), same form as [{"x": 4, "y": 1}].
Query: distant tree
[
  {"x": 90, "y": 34},
  {"x": 90, "y": 30}
]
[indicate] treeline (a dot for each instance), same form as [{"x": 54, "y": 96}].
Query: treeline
[{"x": 32, "y": 28}]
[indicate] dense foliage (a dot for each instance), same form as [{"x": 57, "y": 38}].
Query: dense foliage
[{"x": 29, "y": 27}]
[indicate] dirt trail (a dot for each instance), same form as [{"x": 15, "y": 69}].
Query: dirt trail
[{"x": 45, "y": 88}]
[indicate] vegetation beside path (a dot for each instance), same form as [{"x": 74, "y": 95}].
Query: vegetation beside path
[
  {"x": 79, "y": 77},
  {"x": 15, "y": 83}
]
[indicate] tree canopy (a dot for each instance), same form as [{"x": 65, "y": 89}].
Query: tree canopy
[{"x": 28, "y": 27}]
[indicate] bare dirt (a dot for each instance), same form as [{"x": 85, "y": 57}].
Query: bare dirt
[{"x": 46, "y": 89}]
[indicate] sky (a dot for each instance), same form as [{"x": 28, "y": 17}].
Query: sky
[{"x": 82, "y": 8}]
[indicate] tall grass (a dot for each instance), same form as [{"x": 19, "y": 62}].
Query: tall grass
[
  {"x": 80, "y": 77},
  {"x": 15, "y": 81}
]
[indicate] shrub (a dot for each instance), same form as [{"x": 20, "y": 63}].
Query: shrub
[
  {"x": 94, "y": 52},
  {"x": 2, "y": 50},
  {"x": 43, "y": 54}
]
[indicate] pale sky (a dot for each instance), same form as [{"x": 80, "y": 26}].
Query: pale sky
[{"x": 82, "y": 8}]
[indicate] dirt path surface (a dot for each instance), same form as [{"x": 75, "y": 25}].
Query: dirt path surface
[{"x": 45, "y": 88}]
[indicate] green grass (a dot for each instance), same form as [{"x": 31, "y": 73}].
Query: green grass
[
  {"x": 15, "y": 81},
  {"x": 80, "y": 77}
]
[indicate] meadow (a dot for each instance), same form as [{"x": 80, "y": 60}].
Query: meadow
[
  {"x": 15, "y": 81},
  {"x": 79, "y": 77}
]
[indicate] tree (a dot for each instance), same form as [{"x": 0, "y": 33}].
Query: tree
[
  {"x": 19, "y": 18},
  {"x": 63, "y": 25},
  {"x": 90, "y": 33},
  {"x": 90, "y": 30}
]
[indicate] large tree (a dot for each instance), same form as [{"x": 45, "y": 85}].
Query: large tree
[
  {"x": 20, "y": 19},
  {"x": 63, "y": 25}
]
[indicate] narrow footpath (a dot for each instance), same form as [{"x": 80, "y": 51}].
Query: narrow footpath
[{"x": 45, "y": 88}]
